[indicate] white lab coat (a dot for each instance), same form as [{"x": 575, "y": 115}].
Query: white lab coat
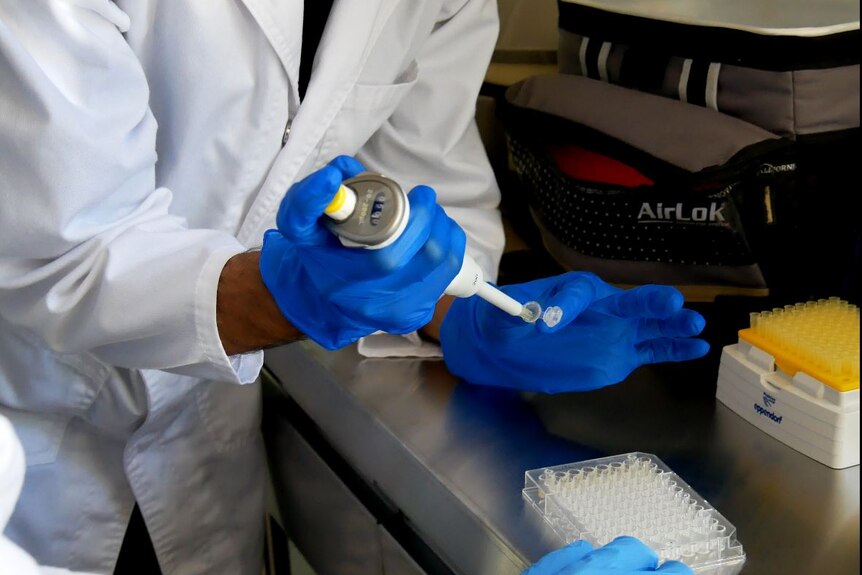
[
  {"x": 13, "y": 559},
  {"x": 111, "y": 369}
]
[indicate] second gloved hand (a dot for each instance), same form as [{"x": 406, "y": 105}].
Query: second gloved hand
[
  {"x": 604, "y": 335},
  {"x": 335, "y": 294},
  {"x": 622, "y": 556}
]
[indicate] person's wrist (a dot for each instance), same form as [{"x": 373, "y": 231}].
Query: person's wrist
[
  {"x": 431, "y": 330},
  {"x": 247, "y": 315}
]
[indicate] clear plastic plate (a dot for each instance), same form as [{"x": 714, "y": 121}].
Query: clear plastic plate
[{"x": 635, "y": 494}]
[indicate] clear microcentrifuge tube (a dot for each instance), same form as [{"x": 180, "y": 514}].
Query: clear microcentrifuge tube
[{"x": 552, "y": 315}]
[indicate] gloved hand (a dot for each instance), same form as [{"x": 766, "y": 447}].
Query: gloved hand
[
  {"x": 605, "y": 333},
  {"x": 335, "y": 294},
  {"x": 622, "y": 556}
]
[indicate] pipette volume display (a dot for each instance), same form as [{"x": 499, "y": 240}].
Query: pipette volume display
[{"x": 370, "y": 211}]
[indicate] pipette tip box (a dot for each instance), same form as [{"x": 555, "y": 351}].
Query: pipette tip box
[
  {"x": 794, "y": 374},
  {"x": 635, "y": 494}
]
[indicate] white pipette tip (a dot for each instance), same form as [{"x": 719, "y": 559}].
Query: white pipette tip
[{"x": 529, "y": 312}]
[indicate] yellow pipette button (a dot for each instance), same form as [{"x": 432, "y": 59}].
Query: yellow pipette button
[{"x": 337, "y": 202}]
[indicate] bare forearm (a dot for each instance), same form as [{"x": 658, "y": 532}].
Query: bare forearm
[
  {"x": 432, "y": 329},
  {"x": 247, "y": 316}
]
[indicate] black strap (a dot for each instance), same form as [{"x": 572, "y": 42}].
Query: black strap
[{"x": 314, "y": 18}]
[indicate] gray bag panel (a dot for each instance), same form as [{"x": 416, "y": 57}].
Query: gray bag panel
[
  {"x": 840, "y": 110},
  {"x": 800, "y": 102},
  {"x": 653, "y": 124},
  {"x": 788, "y": 103}
]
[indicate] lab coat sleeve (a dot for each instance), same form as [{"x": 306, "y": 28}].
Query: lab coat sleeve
[
  {"x": 432, "y": 137},
  {"x": 91, "y": 259}
]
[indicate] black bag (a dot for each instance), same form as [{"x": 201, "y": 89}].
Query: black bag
[{"x": 665, "y": 153}]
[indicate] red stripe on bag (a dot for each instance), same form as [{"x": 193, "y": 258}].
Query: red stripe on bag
[{"x": 584, "y": 165}]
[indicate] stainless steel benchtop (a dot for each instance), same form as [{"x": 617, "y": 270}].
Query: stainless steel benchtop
[{"x": 452, "y": 456}]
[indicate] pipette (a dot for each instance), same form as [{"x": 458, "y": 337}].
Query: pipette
[{"x": 370, "y": 211}]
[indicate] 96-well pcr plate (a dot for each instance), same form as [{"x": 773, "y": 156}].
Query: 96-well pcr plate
[{"x": 635, "y": 494}]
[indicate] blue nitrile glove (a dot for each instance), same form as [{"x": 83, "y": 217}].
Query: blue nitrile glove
[
  {"x": 604, "y": 335},
  {"x": 335, "y": 294},
  {"x": 622, "y": 556}
]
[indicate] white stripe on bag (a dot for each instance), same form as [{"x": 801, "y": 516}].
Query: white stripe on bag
[
  {"x": 582, "y": 55},
  {"x": 603, "y": 60},
  {"x": 712, "y": 85},
  {"x": 682, "y": 88}
]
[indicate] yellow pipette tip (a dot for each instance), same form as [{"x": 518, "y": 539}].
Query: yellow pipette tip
[{"x": 818, "y": 338}]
